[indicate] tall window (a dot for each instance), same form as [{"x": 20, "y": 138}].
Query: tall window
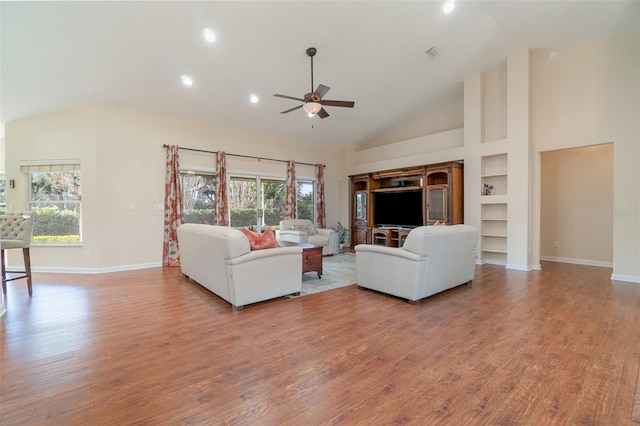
[
  {"x": 258, "y": 201},
  {"x": 198, "y": 197},
  {"x": 306, "y": 199},
  {"x": 55, "y": 200}
]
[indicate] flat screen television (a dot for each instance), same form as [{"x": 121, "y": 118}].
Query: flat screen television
[{"x": 398, "y": 208}]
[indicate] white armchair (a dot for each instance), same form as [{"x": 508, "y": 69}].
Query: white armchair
[
  {"x": 432, "y": 259},
  {"x": 303, "y": 231}
]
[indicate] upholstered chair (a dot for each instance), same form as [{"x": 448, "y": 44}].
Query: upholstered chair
[
  {"x": 303, "y": 231},
  {"x": 15, "y": 233},
  {"x": 431, "y": 260}
]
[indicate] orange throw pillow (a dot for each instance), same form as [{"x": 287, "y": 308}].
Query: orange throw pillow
[{"x": 259, "y": 241}]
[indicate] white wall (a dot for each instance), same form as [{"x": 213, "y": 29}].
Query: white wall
[
  {"x": 123, "y": 166},
  {"x": 579, "y": 99},
  {"x": 590, "y": 95}
]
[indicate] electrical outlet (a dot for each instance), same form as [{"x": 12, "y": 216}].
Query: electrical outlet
[
  {"x": 555, "y": 244},
  {"x": 158, "y": 207},
  {"x": 87, "y": 253}
]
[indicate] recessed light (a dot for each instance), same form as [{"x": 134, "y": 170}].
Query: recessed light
[
  {"x": 209, "y": 35},
  {"x": 254, "y": 99},
  {"x": 448, "y": 7},
  {"x": 186, "y": 80}
]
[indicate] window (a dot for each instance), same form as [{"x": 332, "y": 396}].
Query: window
[
  {"x": 305, "y": 200},
  {"x": 258, "y": 202},
  {"x": 55, "y": 200},
  {"x": 198, "y": 197},
  {"x": 255, "y": 201}
]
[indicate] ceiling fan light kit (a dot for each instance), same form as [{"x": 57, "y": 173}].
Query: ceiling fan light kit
[
  {"x": 312, "y": 107},
  {"x": 313, "y": 102}
]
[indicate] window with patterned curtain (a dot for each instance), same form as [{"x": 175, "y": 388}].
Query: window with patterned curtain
[{"x": 198, "y": 196}]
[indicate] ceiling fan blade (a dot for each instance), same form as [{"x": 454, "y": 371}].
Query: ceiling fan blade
[
  {"x": 322, "y": 90},
  {"x": 289, "y": 97},
  {"x": 322, "y": 113},
  {"x": 291, "y": 109},
  {"x": 345, "y": 104}
]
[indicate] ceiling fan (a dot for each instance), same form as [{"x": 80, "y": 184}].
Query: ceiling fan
[{"x": 313, "y": 102}]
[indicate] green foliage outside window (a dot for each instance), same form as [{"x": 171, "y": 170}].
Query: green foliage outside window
[
  {"x": 53, "y": 225},
  {"x": 55, "y": 202}
]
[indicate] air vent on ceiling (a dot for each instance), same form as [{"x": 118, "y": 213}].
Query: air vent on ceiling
[{"x": 433, "y": 51}]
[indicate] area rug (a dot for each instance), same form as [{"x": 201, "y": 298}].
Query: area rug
[{"x": 337, "y": 271}]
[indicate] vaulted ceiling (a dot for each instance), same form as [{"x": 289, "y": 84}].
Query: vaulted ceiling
[{"x": 62, "y": 54}]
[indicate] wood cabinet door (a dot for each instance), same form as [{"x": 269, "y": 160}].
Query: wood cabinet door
[
  {"x": 437, "y": 202},
  {"x": 360, "y": 236}
]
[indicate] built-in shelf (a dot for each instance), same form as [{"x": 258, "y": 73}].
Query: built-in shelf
[
  {"x": 494, "y": 175},
  {"x": 493, "y": 199},
  {"x": 493, "y": 241},
  {"x": 494, "y": 212}
]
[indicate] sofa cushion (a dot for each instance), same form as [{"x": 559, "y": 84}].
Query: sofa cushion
[{"x": 259, "y": 241}]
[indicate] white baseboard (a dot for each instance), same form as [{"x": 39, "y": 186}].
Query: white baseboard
[
  {"x": 492, "y": 262},
  {"x": 627, "y": 278},
  {"x": 577, "y": 261},
  {"x": 526, "y": 268},
  {"x": 106, "y": 270}
]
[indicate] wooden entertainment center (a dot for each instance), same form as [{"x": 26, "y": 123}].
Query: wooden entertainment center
[{"x": 386, "y": 205}]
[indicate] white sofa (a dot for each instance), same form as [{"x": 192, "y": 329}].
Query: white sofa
[
  {"x": 221, "y": 260},
  {"x": 432, "y": 259},
  {"x": 293, "y": 230}
]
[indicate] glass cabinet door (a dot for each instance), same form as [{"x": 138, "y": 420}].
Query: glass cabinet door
[
  {"x": 360, "y": 205},
  {"x": 437, "y": 204}
]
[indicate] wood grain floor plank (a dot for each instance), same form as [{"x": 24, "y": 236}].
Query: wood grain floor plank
[{"x": 557, "y": 346}]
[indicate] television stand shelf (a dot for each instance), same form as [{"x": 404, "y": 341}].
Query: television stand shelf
[{"x": 390, "y": 237}]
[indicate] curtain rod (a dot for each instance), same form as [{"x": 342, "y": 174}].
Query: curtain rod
[{"x": 242, "y": 156}]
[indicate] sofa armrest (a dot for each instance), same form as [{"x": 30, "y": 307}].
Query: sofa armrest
[
  {"x": 331, "y": 246},
  {"x": 294, "y": 236},
  {"x": 325, "y": 232}
]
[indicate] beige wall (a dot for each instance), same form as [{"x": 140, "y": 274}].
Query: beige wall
[
  {"x": 576, "y": 205},
  {"x": 123, "y": 176},
  {"x": 448, "y": 117}
]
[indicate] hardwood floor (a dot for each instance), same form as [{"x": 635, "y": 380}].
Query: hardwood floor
[{"x": 557, "y": 346}]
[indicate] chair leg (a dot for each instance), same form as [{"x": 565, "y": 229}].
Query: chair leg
[
  {"x": 27, "y": 268},
  {"x": 4, "y": 273}
]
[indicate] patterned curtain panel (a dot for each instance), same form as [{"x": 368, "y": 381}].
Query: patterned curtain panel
[
  {"x": 290, "y": 202},
  {"x": 172, "y": 208},
  {"x": 321, "y": 221},
  {"x": 222, "y": 206}
]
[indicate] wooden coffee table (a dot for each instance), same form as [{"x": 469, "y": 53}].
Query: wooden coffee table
[{"x": 311, "y": 256}]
